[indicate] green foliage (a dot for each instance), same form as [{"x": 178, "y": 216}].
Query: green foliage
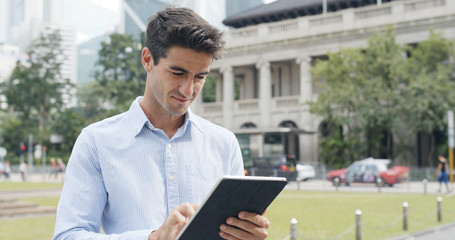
[
  {"x": 209, "y": 90},
  {"x": 13, "y": 132},
  {"x": 67, "y": 124},
  {"x": 121, "y": 78},
  {"x": 429, "y": 94},
  {"x": 372, "y": 93},
  {"x": 35, "y": 91}
]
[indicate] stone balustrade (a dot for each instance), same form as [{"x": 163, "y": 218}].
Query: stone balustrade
[
  {"x": 350, "y": 19},
  {"x": 213, "y": 107},
  {"x": 246, "y": 105},
  {"x": 286, "y": 102}
]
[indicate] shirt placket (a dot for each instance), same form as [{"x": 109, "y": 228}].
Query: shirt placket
[{"x": 171, "y": 177}]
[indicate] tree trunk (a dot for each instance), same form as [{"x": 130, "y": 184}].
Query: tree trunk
[
  {"x": 431, "y": 152},
  {"x": 389, "y": 144},
  {"x": 42, "y": 121}
]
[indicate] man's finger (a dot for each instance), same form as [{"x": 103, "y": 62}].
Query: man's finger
[
  {"x": 254, "y": 218},
  {"x": 243, "y": 229}
]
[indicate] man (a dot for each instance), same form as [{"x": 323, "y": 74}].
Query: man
[{"x": 135, "y": 174}]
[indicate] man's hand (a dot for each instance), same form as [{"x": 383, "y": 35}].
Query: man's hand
[
  {"x": 248, "y": 226},
  {"x": 174, "y": 222}
]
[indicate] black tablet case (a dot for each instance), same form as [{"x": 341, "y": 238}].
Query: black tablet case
[{"x": 231, "y": 195}]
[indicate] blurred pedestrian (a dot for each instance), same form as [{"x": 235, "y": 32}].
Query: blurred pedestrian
[
  {"x": 60, "y": 165},
  {"x": 2, "y": 168},
  {"x": 7, "y": 170},
  {"x": 23, "y": 170},
  {"x": 442, "y": 172},
  {"x": 53, "y": 167}
]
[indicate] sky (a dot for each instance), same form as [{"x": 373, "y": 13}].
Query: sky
[
  {"x": 91, "y": 18},
  {"x": 3, "y": 9}
]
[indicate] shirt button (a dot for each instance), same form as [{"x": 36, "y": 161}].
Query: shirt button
[
  {"x": 171, "y": 178},
  {"x": 169, "y": 146}
]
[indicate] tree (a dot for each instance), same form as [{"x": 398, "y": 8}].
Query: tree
[
  {"x": 12, "y": 132},
  {"x": 372, "y": 93},
  {"x": 67, "y": 124},
  {"x": 209, "y": 90},
  {"x": 362, "y": 83},
  {"x": 36, "y": 87},
  {"x": 340, "y": 87},
  {"x": 429, "y": 94},
  {"x": 121, "y": 77}
]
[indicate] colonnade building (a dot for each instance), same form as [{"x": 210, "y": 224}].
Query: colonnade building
[{"x": 269, "y": 54}]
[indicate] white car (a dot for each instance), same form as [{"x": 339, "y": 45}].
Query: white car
[{"x": 304, "y": 172}]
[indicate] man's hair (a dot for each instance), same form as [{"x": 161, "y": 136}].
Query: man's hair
[{"x": 175, "y": 26}]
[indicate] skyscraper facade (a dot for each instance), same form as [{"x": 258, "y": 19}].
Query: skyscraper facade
[{"x": 135, "y": 14}]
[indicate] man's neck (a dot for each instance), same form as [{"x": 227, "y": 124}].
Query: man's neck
[{"x": 164, "y": 121}]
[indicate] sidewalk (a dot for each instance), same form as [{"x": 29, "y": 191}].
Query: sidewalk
[
  {"x": 443, "y": 232},
  {"x": 409, "y": 187}
]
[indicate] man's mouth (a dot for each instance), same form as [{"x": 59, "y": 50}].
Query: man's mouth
[{"x": 182, "y": 100}]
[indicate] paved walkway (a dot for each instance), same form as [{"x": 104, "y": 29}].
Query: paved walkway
[
  {"x": 410, "y": 187},
  {"x": 443, "y": 232}
]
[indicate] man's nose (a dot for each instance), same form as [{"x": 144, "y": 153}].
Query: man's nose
[{"x": 186, "y": 88}]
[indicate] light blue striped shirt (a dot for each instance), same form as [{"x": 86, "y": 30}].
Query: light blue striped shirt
[{"x": 125, "y": 175}]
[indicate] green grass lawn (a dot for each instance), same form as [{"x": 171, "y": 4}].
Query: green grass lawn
[
  {"x": 324, "y": 215},
  {"x": 19, "y": 186},
  {"x": 321, "y": 215},
  {"x": 36, "y": 228},
  {"x": 43, "y": 201}
]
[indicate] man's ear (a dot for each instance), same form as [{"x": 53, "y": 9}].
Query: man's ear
[{"x": 147, "y": 59}]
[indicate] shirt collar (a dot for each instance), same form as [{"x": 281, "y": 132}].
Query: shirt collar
[
  {"x": 138, "y": 118},
  {"x": 193, "y": 118}
]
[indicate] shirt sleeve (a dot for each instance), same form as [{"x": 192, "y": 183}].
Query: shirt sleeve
[{"x": 84, "y": 197}]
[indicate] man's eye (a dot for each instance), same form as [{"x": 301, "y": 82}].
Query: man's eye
[
  {"x": 177, "y": 73},
  {"x": 200, "y": 77}
]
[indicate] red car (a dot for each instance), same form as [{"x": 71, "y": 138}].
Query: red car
[{"x": 369, "y": 170}]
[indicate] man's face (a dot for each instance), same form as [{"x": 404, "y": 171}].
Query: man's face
[{"x": 177, "y": 79}]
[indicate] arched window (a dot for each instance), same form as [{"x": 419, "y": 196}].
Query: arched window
[{"x": 248, "y": 125}]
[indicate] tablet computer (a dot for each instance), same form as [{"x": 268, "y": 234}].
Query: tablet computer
[{"x": 229, "y": 196}]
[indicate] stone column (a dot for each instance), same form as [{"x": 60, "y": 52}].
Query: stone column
[
  {"x": 228, "y": 96},
  {"x": 265, "y": 93},
  {"x": 306, "y": 85},
  {"x": 249, "y": 85},
  {"x": 219, "y": 87},
  {"x": 307, "y": 148}
]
